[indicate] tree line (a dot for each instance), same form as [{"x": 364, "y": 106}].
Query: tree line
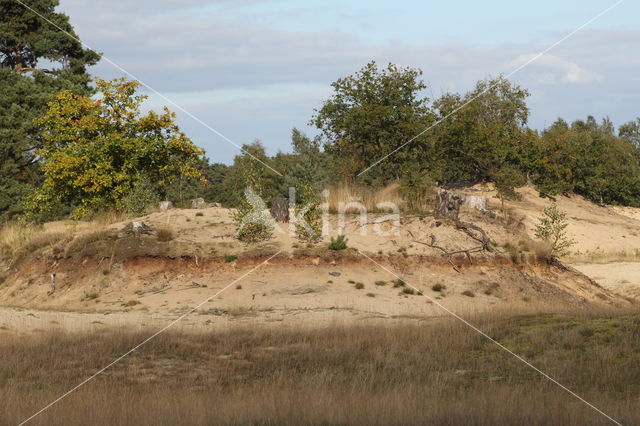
[{"x": 73, "y": 145}]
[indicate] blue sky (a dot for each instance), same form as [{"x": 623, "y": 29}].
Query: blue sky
[{"x": 254, "y": 69}]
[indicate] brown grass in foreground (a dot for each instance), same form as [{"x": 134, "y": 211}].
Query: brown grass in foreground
[{"x": 437, "y": 373}]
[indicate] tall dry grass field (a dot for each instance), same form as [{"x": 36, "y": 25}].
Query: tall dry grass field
[
  {"x": 437, "y": 373},
  {"x": 18, "y": 240},
  {"x": 345, "y": 196}
]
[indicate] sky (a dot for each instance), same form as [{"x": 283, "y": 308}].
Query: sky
[{"x": 239, "y": 70}]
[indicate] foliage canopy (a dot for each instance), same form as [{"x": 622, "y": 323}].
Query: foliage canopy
[
  {"x": 94, "y": 151},
  {"x": 26, "y": 40}
]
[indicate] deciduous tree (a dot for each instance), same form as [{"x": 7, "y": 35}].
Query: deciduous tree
[{"x": 94, "y": 151}]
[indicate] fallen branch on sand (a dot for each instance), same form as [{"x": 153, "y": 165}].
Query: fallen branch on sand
[{"x": 444, "y": 251}]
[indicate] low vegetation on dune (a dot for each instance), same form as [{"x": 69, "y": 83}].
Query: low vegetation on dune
[{"x": 442, "y": 373}]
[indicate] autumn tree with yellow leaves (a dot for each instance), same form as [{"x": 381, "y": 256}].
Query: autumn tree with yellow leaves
[{"x": 94, "y": 151}]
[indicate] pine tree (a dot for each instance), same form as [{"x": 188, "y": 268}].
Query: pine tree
[{"x": 26, "y": 41}]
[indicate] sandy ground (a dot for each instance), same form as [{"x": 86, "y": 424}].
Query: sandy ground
[
  {"x": 151, "y": 293},
  {"x": 300, "y": 287},
  {"x": 619, "y": 277},
  {"x": 607, "y": 238},
  {"x": 601, "y": 233}
]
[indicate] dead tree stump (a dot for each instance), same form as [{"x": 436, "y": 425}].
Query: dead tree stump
[
  {"x": 136, "y": 229},
  {"x": 280, "y": 209},
  {"x": 447, "y": 205}
]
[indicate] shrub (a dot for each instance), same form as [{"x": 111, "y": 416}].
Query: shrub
[
  {"x": 359, "y": 286},
  {"x": 379, "y": 283},
  {"x": 338, "y": 243},
  {"x": 90, "y": 296},
  {"x": 371, "y": 295},
  {"x": 552, "y": 229},
  {"x": 253, "y": 223},
  {"x": 254, "y": 232},
  {"x": 239, "y": 287},
  {"x": 438, "y": 287},
  {"x": 468, "y": 293},
  {"x": 165, "y": 234},
  {"x": 142, "y": 199},
  {"x": 408, "y": 290},
  {"x": 230, "y": 257},
  {"x": 130, "y": 303},
  {"x": 308, "y": 217},
  {"x": 199, "y": 214},
  {"x": 398, "y": 283},
  {"x": 513, "y": 251},
  {"x": 415, "y": 186}
]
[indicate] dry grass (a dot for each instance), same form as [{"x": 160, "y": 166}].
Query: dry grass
[
  {"x": 19, "y": 241},
  {"x": 165, "y": 233},
  {"x": 109, "y": 217},
  {"x": 346, "y": 197},
  {"x": 79, "y": 243},
  {"x": 442, "y": 373},
  {"x": 542, "y": 250},
  {"x": 601, "y": 256}
]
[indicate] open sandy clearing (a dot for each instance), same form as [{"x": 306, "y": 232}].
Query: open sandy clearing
[{"x": 620, "y": 277}]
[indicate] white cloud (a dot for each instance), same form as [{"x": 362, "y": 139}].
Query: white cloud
[
  {"x": 229, "y": 71},
  {"x": 565, "y": 71}
]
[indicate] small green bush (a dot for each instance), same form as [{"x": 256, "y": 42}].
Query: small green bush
[
  {"x": 438, "y": 287},
  {"x": 408, "y": 290},
  {"x": 468, "y": 293},
  {"x": 552, "y": 230},
  {"x": 379, "y": 283},
  {"x": 398, "y": 283},
  {"x": 230, "y": 257},
  {"x": 338, "y": 243},
  {"x": 359, "y": 286},
  {"x": 199, "y": 214},
  {"x": 371, "y": 295},
  {"x": 142, "y": 199}
]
